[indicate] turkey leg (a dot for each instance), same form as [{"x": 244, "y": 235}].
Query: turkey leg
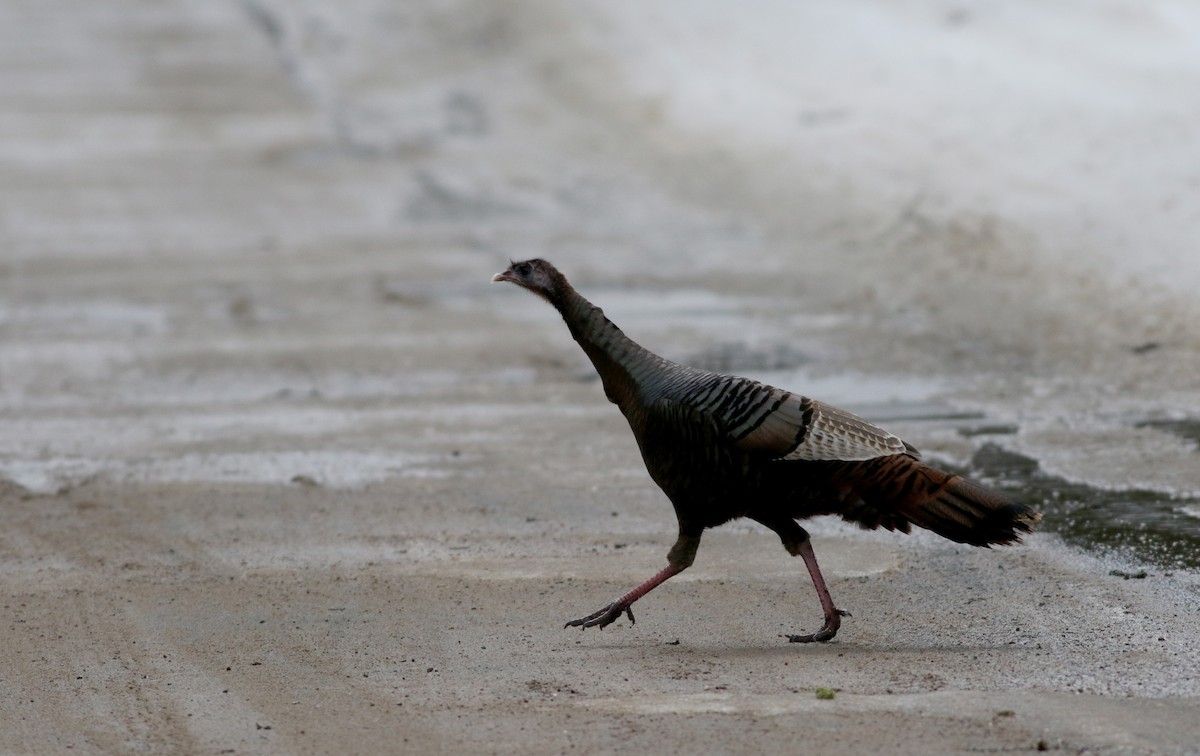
[
  {"x": 796, "y": 541},
  {"x": 681, "y": 556}
]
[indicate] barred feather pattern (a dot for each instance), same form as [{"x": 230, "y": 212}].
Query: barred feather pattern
[{"x": 897, "y": 491}]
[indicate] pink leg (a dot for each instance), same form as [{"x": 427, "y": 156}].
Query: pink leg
[
  {"x": 795, "y": 540},
  {"x": 833, "y": 615},
  {"x": 683, "y": 553}
]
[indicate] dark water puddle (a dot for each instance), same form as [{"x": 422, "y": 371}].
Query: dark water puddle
[
  {"x": 1145, "y": 526},
  {"x": 997, "y": 429}
]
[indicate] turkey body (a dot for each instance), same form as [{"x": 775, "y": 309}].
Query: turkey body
[{"x": 722, "y": 447}]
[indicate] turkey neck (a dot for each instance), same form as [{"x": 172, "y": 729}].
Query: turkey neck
[{"x": 626, "y": 369}]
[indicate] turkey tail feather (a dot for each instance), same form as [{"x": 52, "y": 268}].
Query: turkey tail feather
[
  {"x": 896, "y": 491},
  {"x": 967, "y": 513}
]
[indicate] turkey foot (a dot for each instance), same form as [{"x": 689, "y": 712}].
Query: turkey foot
[
  {"x": 605, "y": 616},
  {"x": 608, "y": 614},
  {"x": 832, "y": 623}
]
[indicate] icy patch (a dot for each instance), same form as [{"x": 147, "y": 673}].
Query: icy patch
[
  {"x": 41, "y": 476},
  {"x": 346, "y": 470},
  {"x": 335, "y": 469},
  {"x": 704, "y": 703},
  {"x": 96, "y": 318}
]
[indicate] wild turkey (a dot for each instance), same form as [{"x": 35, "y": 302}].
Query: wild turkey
[{"x": 723, "y": 447}]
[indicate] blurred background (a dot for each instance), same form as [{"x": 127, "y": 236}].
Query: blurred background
[{"x": 250, "y": 241}]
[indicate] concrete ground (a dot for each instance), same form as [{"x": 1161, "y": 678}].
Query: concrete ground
[{"x": 282, "y": 473}]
